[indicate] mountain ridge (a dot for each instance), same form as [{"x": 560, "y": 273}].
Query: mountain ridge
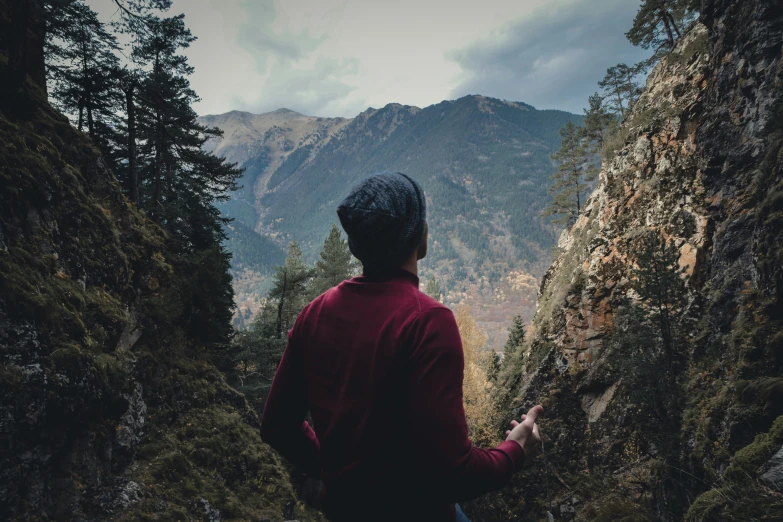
[{"x": 483, "y": 162}]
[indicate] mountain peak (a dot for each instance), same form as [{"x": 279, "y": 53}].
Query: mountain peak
[{"x": 283, "y": 111}]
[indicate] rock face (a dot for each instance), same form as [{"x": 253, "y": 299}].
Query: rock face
[
  {"x": 773, "y": 477},
  {"x": 698, "y": 162},
  {"x": 107, "y": 410}
]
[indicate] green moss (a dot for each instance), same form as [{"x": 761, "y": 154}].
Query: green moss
[
  {"x": 746, "y": 462},
  {"x": 617, "y": 510},
  {"x": 79, "y": 262},
  {"x": 212, "y": 453},
  {"x": 10, "y": 376},
  {"x": 738, "y": 495},
  {"x": 760, "y": 391}
]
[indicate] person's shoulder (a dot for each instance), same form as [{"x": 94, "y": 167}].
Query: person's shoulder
[
  {"x": 429, "y": 308},
  {"x": 319, "y": 301},
  {"x": 433, "y": 328},
  {"x": 427, "y": 303}
]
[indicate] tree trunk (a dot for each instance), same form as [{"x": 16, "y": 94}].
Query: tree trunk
[
  {"x": 619, "y": 94},
  {"x": 81, "y": 116},
  {"x": 90, "y": 122},
  {"x": 130, "y": 108},
  {"x": 25, "y": 43},
  {"x": 665, "y": 18},
  {"x": 674, "y": 26},
  {"x": 158, "y": 158}
]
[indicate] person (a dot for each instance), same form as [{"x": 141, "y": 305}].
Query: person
[{"x": 379, "y": 366}]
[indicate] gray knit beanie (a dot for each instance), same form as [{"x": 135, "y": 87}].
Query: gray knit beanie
[{"x": 384, "y": 217}]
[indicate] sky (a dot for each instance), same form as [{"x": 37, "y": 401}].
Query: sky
[{"x": 339, "y": 57}]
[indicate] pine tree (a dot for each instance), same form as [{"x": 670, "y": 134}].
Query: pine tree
[
  {"x": 129, "y": 83},
  {"x": 336, "y": 264},
  {"x": 255, "y": 354},
  {"x": 598, "y": 123},
  {"x": 289, "y": 293},
  {"x": 657, "y": 278},
  {"x": 621, "y": 88},
  {"x": 570, "y": 182},
  {"x": 516, "y": 337},
  {"x": 165, "y": 100},
  {"x": 179, "y": 182},
  {"x": 510, "y": 375},
  {"x": 491, "y": 366},
  {"x": 83, "y": 67},
  {"x": 659, "y": 23},
  {"x": 433, "y": 289}
]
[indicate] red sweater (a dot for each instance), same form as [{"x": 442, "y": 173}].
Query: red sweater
[{"x": 379, "y": 366}]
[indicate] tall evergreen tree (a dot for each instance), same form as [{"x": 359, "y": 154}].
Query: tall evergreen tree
[
  {"x": 83, "y": 68},
  {"x": 178, "y": 181},
  {"x": 571, "y": 181},
  {"x": 289, "y": 293},
  {"x": 129, "y": 83},
  {"x": 335, "y": 264},
  {"x": 657, "y": 278},
  {"x": 491, "y": 365},
  {"x": 433, "y": 289},
  {"x": 165, "y": 100},
  {"x": 255, "y": 355},
  {"x": 659, "y": 23},
  {"x": 621, "y": 88},
  {"x": 516, "y": 337},
  {"x": 599, "y": 121}
]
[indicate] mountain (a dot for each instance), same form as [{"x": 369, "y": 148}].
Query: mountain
[
  {"x": 484, "y": 165},
  {"x": 636, "y": 429}
]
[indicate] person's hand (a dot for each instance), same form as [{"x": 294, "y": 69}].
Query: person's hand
[{"x": 525, "y": 433}]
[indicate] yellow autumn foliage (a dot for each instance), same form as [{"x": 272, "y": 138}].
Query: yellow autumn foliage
[{"x": 480, "y": 410}]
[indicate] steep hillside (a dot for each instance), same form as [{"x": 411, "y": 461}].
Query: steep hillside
[
  {"x": 484, "y": 164},
  {"x": 108, "y": 411},
  {"x": 633, "y": 432}
]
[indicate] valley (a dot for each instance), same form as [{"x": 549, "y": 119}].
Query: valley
[{"x": 484, "y": 165}]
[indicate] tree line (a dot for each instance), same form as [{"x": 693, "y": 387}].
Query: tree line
[
  {"x": 124, "y": 83},
  {"x": 657, "y": 26}
]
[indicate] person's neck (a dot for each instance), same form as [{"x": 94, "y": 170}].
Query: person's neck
[{"x": 412, "y": 266}]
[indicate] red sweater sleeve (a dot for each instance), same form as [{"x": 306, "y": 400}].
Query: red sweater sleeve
[
  {"x": 438, "y": 417},
  {"x": 282, "y": 425}
]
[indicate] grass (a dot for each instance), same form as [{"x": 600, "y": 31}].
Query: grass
[{"x": 738, "y": 495}]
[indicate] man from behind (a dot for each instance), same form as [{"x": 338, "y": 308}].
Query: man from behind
[{"x": 379, "y": 366}]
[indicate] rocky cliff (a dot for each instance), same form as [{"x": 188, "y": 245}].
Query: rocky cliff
[
  {"x": 107, "y": 410},
  {"x": 630, "y": 435}
]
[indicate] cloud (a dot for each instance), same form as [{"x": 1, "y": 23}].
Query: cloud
[
  {"x": 553, "y": 57},
  {"x": 294, "y": 70},
  {"x": 260, "y": 36},
  {"x": 315, "y": 90}
]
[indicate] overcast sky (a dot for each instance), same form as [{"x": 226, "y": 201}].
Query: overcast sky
[{"x": 338, "y": 57}]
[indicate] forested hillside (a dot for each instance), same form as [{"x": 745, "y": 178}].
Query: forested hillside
[{"x": 484, "y": 164}]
